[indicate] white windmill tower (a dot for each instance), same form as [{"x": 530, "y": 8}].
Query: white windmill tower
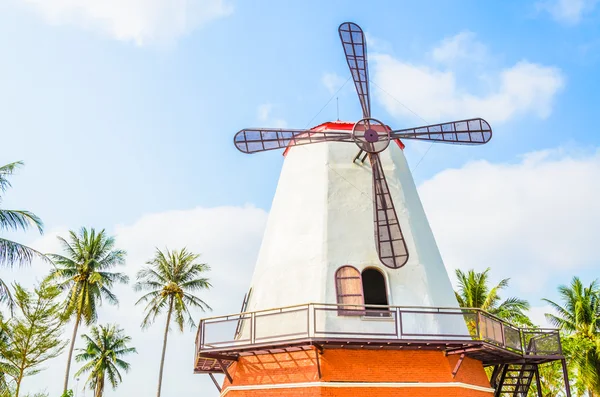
[{"x": 320, "y": 228}]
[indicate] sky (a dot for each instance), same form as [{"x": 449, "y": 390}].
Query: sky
[{"x": 124, "y": 111}]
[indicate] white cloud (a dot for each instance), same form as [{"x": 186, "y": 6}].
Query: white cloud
[
  {"x": 526, "y": 220},
  {"x": 263, "y": 114},
  {"x": 435, "y": 93},
  {"x": 332, "y": 81},
  {"x": 537, "y": 315},
  {"x": 141, "y": 21},
  {"x": 264, "y": 111},
  {"x": 567, "y": 11},
  {"x": 462, "y": 47},
  {"x": 228, "y": 239}
]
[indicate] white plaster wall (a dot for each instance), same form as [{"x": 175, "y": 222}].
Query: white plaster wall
[{"x": 322, "y": 218}]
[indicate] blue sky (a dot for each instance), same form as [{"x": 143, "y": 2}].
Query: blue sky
[{"x": 124, "y": 115}]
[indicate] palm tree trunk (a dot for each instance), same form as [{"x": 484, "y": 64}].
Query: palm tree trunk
[
  {"x": 75, "y": 328},
  {"x": 99, "y": 387},
  {"x": 164, "y": 349}
]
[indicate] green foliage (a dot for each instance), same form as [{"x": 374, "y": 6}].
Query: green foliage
[
  {"x": 578, "y": 316},
  {"x": 12, "y": 252},
  {"x": 82, "y": 271},
  {"x": 580, "y": 312},
  {"x": 474, "y": 291},
  {"x": 7, "y": 369},
  {"x": 34, "y": 334},
  {"x": 170, "y": 278},
  {"x": 551, "y": 378},
  {"x": 67, "y": 393},
  {"x": 105, "y": 347}
]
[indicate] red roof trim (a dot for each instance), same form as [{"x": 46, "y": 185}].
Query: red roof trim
[{"x": 337, "y": 126}]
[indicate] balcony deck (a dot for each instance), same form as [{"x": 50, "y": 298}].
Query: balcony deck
[{"x": 470, "y": 332}]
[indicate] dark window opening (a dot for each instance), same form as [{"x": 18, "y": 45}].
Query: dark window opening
[{"x": 375, "y": 293}]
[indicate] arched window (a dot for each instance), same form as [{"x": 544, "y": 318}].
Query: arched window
[
  {"x": 375, "y": 292},
  {"x": 349, "y": 290}
]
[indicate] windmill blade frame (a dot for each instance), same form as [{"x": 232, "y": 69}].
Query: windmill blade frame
[
  {"x": 475, "y": 131},
  {"x": 389, "y": 239},
  {"x": 355, "y": 49},
  {"x": 254, "y": 140}
]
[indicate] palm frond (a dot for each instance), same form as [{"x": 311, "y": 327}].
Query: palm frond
[
  {"x": 82, "y": 269},
  {"x": 104, "y": 345},
  {"x": 12, "y": 253},
  {"x": 19, "y": 219},
  {"x": 5, "y": 171},
  {"x": 171, "y": 276},
  {"x": 6, "y": 297}
]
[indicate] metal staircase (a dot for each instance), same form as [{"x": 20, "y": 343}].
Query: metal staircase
[{"x": 513, "y": 379}]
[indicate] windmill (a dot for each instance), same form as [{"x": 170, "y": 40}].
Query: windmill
[
  {"x": 372, "y": 137},
  {"x": 326, "y": 314}
]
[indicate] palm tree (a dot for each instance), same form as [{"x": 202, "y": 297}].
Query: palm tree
[
  {"x": 82, "y": 272},
  {"x": 579, "y": 318},
  {"x": 12, "y": 252},
  {"x": 474, "y": 291},
  {"x": 580, "y": 313},
  {"x": 170, "y": 278},
  {"x": 102, "y": 355}
]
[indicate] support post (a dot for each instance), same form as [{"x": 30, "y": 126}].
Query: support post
[
  {"x": 566, "y": 377},
  {"x": 494, "y": 377},
  {"x": 538, "y": 381},
  {"x": 252, "y": 328},
  {"x": 224, "y": 368},
  {"x": 215, "y": 382},
  {"x": 501, "y": 383},
  {"x": 458, "y": 364},
  {"x": 317, "y": 354},
  {"x": 357, "y": 155}
]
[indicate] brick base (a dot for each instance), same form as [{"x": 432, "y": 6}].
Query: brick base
[{"x": 345, "y": 373}]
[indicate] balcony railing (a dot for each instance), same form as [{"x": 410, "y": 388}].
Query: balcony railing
[{"x": 380, "y": 324}]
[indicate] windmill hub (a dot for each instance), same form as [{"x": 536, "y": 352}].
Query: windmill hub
[{"x": 371, "y": 135}]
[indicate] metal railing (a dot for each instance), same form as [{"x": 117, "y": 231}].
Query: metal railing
[{"x": 371, "y": 323}]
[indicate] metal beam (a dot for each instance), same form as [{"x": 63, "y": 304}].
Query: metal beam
[
  {"x": 218, "y": 356},
  {"x": 498, "y": 391},
  {"x": 215, "y": 382},
  {"x": 358, "y": 155},
  {"x": 224, "y": 369},
  {"x": 317, "y": 354},
  {"x": 462, "y": 350},
  {"x": 494, "y": 377},
  {"x": 538, "y": 382},
  {"x": 318, "y": 347},
  {"x": 458, "y": 364},
  {"x": 566, "y": 377}
]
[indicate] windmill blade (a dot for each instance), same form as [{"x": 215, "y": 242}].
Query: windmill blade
[
  {"x": 463, "y": 132},
  {"x": 253, "y": 140},
  {"x": 389, "y": 239},
  {"x": 355, "y": 48}
]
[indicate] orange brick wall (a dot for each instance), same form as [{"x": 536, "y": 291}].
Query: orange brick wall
[
  {"x": 294, "y": 367},
  {"x": 356, "y": 392},
  {"x": 398, "y": 366},
  {"x": 340, "y": 365}
]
